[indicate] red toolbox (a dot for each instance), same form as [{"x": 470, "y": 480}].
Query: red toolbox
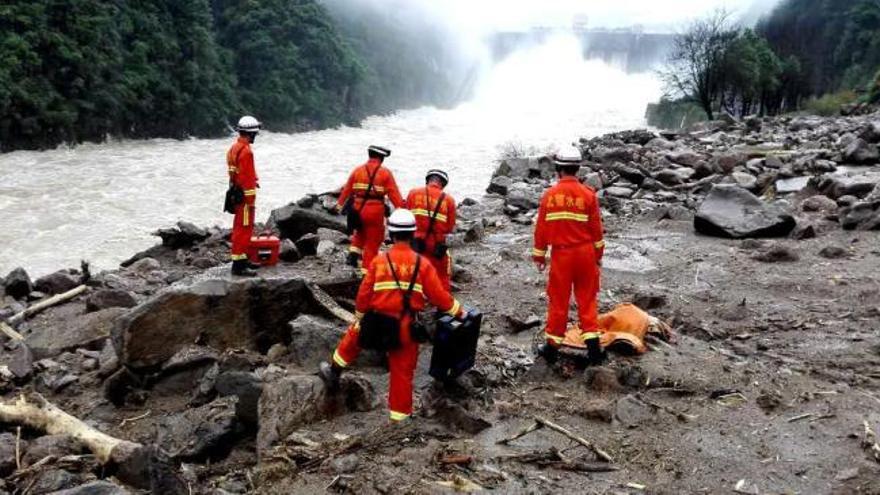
[{"x": 264, "y": 250}]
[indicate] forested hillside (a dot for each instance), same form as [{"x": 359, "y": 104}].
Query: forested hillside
[{"x": 82, "y": 70}]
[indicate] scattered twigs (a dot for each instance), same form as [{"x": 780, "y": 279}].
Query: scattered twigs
[
  {"x": 553, "y": 458},
  {"x": 681, "y": 416},
  {"x": 800, "y": 417},
  {"x": 126, "y": 421},
  {"x": 541, "y": 422},
  {"x": 46, "y": 304},
  {"x": 18, "y": 447}
]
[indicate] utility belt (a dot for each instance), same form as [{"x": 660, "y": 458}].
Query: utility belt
[{"x": 567, "y": 247}]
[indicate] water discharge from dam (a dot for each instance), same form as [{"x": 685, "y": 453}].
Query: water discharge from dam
[{"x": 99, "y": 202}]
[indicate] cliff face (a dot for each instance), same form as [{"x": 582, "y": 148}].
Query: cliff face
[{"x": 773, "y": 335}]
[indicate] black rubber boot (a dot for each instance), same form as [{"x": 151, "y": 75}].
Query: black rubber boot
[
  {"x": 240, "y": 269},
  {"x": 330, "y": 374},
  {"x": 548, "y": 352},
  {"x": 254, "y": 266}
]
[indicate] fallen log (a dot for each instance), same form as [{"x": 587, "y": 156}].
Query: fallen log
[
  {"x": 46, "y": 304},
  {"x": 139, "y": 465},
  {"x": 10, "y": 332},
  {"x": 326, "y": 302}
]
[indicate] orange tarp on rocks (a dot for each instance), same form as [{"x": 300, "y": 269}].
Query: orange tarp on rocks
[{"x": 623, "y": 327}]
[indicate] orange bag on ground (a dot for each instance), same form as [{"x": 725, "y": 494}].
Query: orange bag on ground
[{"x": 623, "y": 328}]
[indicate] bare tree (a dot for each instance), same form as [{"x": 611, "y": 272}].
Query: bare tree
[{"x": 695, "y": 66}]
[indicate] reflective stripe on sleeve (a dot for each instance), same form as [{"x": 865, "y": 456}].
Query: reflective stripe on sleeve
[
  {"x": 600, "y": 244},
  {"x": 250, "y": 192},
  {"x": 539, "y": 253},
  {"x": 456, "y": 307}
]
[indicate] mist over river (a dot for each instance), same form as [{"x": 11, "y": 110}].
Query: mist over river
[{"x": 100, "y": 202}]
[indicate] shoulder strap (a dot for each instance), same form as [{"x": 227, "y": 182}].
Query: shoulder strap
[
  {"x": 369, "y": 190},
  {"x": 237, "y": 158},
  {"x": 412, "y": 283},
  {"x": 431, "y": 222}
]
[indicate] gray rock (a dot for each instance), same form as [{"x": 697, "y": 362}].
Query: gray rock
[
  {"x": 276, "y": 353},
  {"x": 53, "y": 480},
  {"x": 293, "y": 221},
  {"x": 110, "y": 298},
  {"x": 727, "y": 162},
  {"x": 17, "y": 284},
  {"x": 513, "y": 167},
  {"x": 593, "y": 180},
  {"x": 334, "y": 236},
  {"x": 200, "y": 433},
  {"x": 499, "y": 185},
  {"x": 248, "y": 314},
  {"x": 307, "y": 245},
  {"x": 744, "y": 180},
  {"x": 835, "y": 187},
  {"x": 186, "y": 368},
  {"x": 833, "y": 252},
  {"x": 289, "y": 252},
  {"x": 20, "y": 361},
  {"x": 7, "y": 453},
  {"x": 861, "y": 152},
  {"x": 247, "y": 387},
  {"x": 731, "y": 211},
  {"x": 184, "y": 235},
  {"x": 345, "y": 464},
  {"x": 325, "y": 248},
  {"x": 205, "y": 262},
  {"x": 777, "y": 253},
  {"x": 54, "y": 445},
  {"x": 474, "y": 231},
  {"x": 618, "y": 192},
  {"x": 522, "y": 196},
  {"x": 632, "y": 412},
  {"x": 95, "y": 488},
  {"x": 871, "y": 132},
  {"x": 671, "y": 177},
  {"x": 307, "y": 201},
  {"x": 88, "y": 330},
  {"x": 312, "y": 340},
  {"x": 847, "y": 200},
  {"x": 293, "y": 402},
  {"x": 144, "y": 266},
  {"x": 687, "y": 158},
  {"x": 56, "y": 283},
  {"x": 660, "y": 144},
  {"x": 819, "y": 203},
  {"x": 861, "y": 216}
]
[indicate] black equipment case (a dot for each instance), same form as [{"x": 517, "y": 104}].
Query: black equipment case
[{"x": 455, "y": 346}]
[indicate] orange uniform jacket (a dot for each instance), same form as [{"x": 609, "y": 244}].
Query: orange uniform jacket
[
  {"x": 242, "y": 172},
  {"x": 379, "y": 291},
  {"x": 422, "y": 202},
  {"x": 569, "y": 216},
  {"x": 383, "y": 185}
]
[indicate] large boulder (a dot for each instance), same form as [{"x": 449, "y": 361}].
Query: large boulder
[
  {"x": 56, "y": 283},
  {"x": 293, "y": 221},
  {"x": 220, "y": 313},
  {"x": 200, "y": 433},
  {"x": 18, "y": 284},
  {"x": 523, "y": 196},
  {"x": 861, "y": 152},
  {"x": 110, "y": 298},
  {"x": 88, "y": 330},
  {"x": 312, "y": 340},
  {"x": 293, "y": 402},
  {"x": 499, "y": 185},
  {"x": 685, "y": 157},
  {"x": 861, "y": 216},
  {"x": 185, "y": 234},
  {"x": 732, "y": 212}
]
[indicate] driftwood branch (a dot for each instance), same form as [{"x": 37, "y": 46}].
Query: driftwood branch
[
  {"x": 543, "y": 422},
  {"x": 681, "y": 416},
  {"x": 46, "y": 304},
  {"x": 869, "y": 442},
  {"x": 10, "y": 332},
  {"x": 38, "y": 413},
  {"x": 329, "y": 305}
]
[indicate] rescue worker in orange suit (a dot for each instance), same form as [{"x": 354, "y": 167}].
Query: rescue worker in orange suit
[
  {"x": 367, "y": 187},
  {"x": 381, "y": 292},
  {"x": 430, "y": 240},
  {"x": 570, "y": 226},
  {"x": 242, "y": 173}
]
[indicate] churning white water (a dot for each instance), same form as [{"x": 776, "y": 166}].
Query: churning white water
[{"x": 100, "y": 202}]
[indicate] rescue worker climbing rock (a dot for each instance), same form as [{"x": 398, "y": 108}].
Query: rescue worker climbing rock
[
  {"x": 435, "y": 220},
  {"x": 363, "y": 198},
  {"x": 243, "y": 176},
  {"x": 569, "y": 224},
  {"x": 394, "y": 280}
]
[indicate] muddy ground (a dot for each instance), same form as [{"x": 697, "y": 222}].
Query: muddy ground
[{"x": 773, "y": 373}]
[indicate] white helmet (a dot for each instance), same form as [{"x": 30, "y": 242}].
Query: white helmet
[
  {"x": 401, "y": 221},
  {"x": 248, "y": 124}
]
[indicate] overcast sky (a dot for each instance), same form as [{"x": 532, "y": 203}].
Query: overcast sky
[{"x": 481, "y": 15}]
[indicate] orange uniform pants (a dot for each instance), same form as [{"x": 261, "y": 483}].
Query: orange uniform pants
[
  {"x": 576, "y": 267},
  {"x": 370, "y": 237},
  {"x": 401, "y": 366},
  {"x": 444, "y": 270},
  {"x": 242, "y": 230}
]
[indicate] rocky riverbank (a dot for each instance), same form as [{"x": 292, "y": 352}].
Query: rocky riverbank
[{"x": 756, "y": 240}]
